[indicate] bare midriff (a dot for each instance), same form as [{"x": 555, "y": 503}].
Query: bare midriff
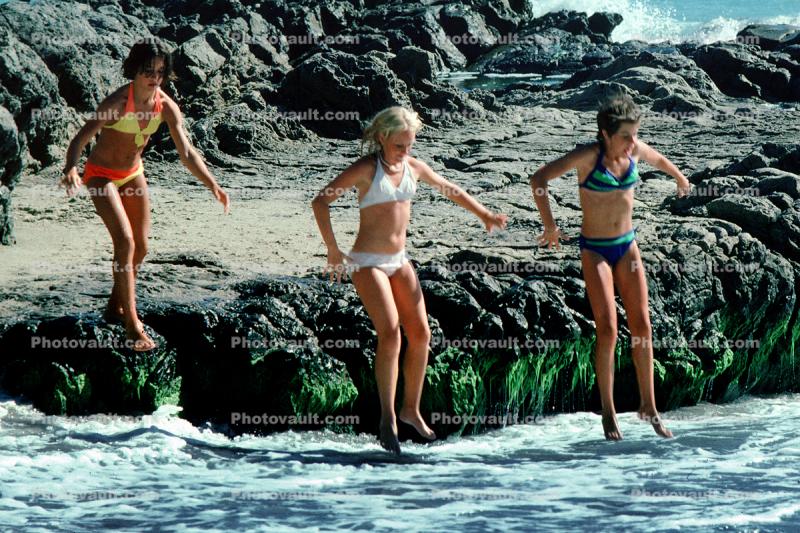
[
  {"x": 116, "y": 150},
  {"x": 382, "y": 228},
  {"x": 609, "y": 213}
]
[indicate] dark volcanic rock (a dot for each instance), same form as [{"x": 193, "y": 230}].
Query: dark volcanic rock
[
  {"x": 770, "y": 36},
  {"x": 603, "y": 23},
  {"x": 413, "y": 65},
  {"x": 30, "y": 92},
  {"x": 673, "y": 62},
  {"x": 335, "y": 81},
  {"x": 742, "y": 71},
  {"x": 467, "y": 30},
  {"x": 244, "y": 130},
  {"x": 557, "y": 42},
  {"x": 12, "y": 161},
  {"x": 82, "y": 47},
  {"x": 80, "y": 365},
  {"x": 519, "y": 343}
]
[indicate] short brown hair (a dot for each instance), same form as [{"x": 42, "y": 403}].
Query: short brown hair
[
  {"x": 142, "y": 55},
  {"x": 615, "y": 111}
]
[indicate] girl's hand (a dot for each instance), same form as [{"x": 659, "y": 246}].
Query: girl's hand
[
  {"x": 336, "y": 264},
  {"x": 223, "y": 198},
  {"x": 550, "y": 238},
  {"x": 494, "y": 220},
  {"x": 71, "y": 181},
  {"x": 684, "y": 187}
]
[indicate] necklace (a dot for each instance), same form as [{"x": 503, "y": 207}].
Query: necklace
[{"x": 384, "y": 163}]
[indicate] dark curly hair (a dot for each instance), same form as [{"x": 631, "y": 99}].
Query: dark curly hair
[
  {"x": 142, "y": 55},
  {"x": 615, "y": 111}
]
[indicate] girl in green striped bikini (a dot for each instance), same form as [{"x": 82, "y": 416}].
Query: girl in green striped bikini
[{"x": 609, "y": 253}]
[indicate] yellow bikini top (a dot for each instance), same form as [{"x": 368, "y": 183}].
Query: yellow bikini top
[{"x": 130, "y": 124}]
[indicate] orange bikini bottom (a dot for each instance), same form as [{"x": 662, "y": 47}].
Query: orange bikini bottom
[{"x": 117, "y": 177}]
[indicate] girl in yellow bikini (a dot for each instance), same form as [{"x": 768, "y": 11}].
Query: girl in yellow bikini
[{"x": 114, "y": 174}]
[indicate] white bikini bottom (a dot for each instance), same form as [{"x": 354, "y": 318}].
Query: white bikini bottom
[{"x": 389, "y": 263}]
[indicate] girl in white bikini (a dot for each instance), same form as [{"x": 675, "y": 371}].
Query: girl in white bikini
[{"x": 386, "y": 179}]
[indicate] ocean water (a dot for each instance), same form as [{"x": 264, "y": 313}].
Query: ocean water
[
  {"x": 653, "y": 21},
  {"x": 731, "y": 467},
  {"x": 703, "y": 21}
]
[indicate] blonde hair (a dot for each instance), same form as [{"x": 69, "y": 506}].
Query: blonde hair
[{"x": 388, "y": 122}]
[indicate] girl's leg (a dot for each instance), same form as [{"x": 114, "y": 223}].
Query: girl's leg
[
  {"x": 108, "y": 205},
  {"x": 414, "y": 319},
  {"x": 600, "y": 289},
  {"x": 136, "y": 202},
  {"x": 630, "y": 279},
  {"x": 375, "y": 291}
]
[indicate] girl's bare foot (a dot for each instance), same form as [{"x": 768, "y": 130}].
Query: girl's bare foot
[
  {"x": 114, "y": 314},
  {"x": 387, "y": 435},
  {"x": 611, "y": 427},
  {"x": 141, "y": 341},
  {"x": 414, "y": 419},
  {"x": 652, "y": 416}
]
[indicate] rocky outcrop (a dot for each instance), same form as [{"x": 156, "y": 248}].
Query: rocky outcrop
[
  {"x": 741, "y": 70},
  {"x": 81, "y": 365},
  {"x": 770, "y": 36},
  {"x": 560, "y": 42},
  {"x": 12, "y": 161},
  {"x": 508, "y": 338},
  {"x": 759, "y": 193}
]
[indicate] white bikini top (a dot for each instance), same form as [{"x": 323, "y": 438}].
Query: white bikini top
[{"x": 381, "y": 189}]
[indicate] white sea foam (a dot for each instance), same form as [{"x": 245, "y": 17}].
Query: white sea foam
[
  {"x": 728, "y": 465},
  {"x": 650, "y": 21}
]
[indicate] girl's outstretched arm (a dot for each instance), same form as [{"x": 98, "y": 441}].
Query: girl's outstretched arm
[
  {"x": 559, "y": 167},
  {"x": 189, "y": 156},
  {"x": 70, "y": 179},
  {"x": 460, "y": 196},
  {"x": 322, "y": 212},
  {"x": 659, "y": 161}
]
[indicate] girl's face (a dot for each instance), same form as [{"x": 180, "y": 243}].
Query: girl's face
[
  {"x": 397, "y": 147},
  {"x": 152, "y": 75},
  {"x": 624, "y": 141}
]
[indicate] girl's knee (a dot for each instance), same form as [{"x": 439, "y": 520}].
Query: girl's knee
[
  {"x": 640, "y": 326},
  {"x": 124, "y": 246},
  {"x": 388, "y": 333},
  {"x": 140, "y": 250},
  {"x": 606, "y": 329},
  {"x": 419, "y": 334}
]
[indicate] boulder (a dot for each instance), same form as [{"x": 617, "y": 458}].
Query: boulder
[
  {"x": 30, "y": 92},
  {"x": 80, "y": 365},
  {"x": 12, "y": 162},
  {"x": 743, "y": 71},
  {"x": 770, "y": 36},
  {"x": 467, "y": 29},
  {"x": 335, "y": 81},
  {"x": 603, "y": 23}
]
